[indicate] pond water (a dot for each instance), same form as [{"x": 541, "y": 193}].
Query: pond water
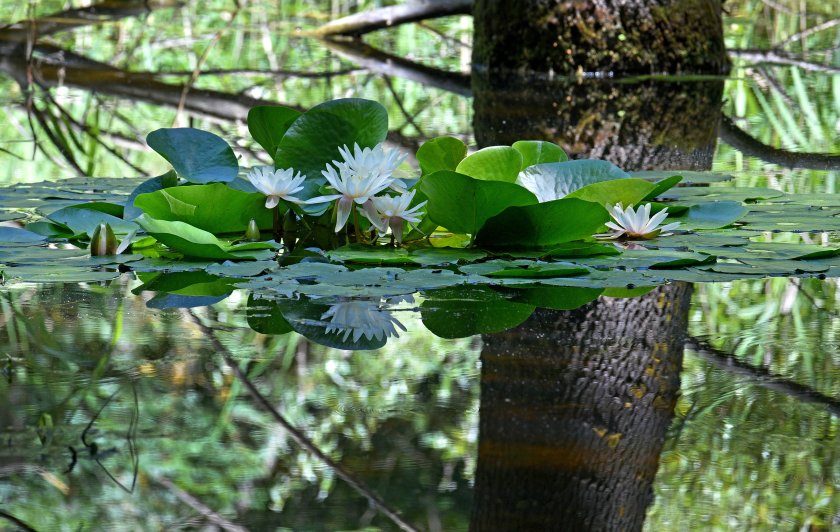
[{"x": 130, "y": 405}]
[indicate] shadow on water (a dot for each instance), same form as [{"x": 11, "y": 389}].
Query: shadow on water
[{"x": 574, "y": 405}]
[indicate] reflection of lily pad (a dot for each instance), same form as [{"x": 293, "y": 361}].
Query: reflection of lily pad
[{"x": 458, "y": 313}]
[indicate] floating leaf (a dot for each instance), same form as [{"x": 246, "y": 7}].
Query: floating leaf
[
  {"x": 195, "y": 242},
  {"x": 312, "y": 141},
  {"x": 441, "y": 153},
  {"x": 266, "y": 316},
  {"x": 539, "y": 152},
  {"x": 712, "y": 215},
  {"x": 14, "y": 235},
  {"x": 462, "y": 204},
  {"x": 198, "y": 156},
  {"x": 662, "y": 186},
  {"x": 467, "y": 311},
  {"x": 496, "y": 163},
  {"x": 216, "y": 207},
  {"x": 268, "y": 123},
  {"x": 556, "y": 180},
  {"x": 86, "y": 217},
  {"x": 542, "y": 225},
  {"x": 688, "y": 177},
  {"x": 608, "y": 193}
]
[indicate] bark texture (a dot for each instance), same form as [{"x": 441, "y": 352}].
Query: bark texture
[
  {"x": 574, "y": 410},
  {"x": 645, "y": 125},
  {"x": 607, "y": 36}
]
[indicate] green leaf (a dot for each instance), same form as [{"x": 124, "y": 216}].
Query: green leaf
[
  {"x": 738, "y": 194},
  {"x": 553, "y": 297},
  {"x": 424, "y": 256},
  {"x": 711, "y": 215},
  {"x": 216, "y": 207},
  {"x": 13, "y": 235},
  {"x": 688, "y": 177},
  {"x": 268, "y": 123},
  {"x": 195, "y": 242},
  {"x": 608, "y": 193},
  {"x": 197, "y": 283},
  {"x": 662, "y": 186},
  {"x": 198, "y": 156},
  {"x": 312, "y": 141},
  {"x": 86, "y": 217},
  {"x": 539, "y": 152},
  {"x": 467, "y": 311},
  {"x": 266, "y": 316},
  {"x": 441, "y": 153},
  {"x": 544, "y": 224},
  {"x": 309, "y": 318},
  {"x": 556, "y": 180},
  {"x": 462, "y": 204},
  {"x": 169, "y": 179},
  {"x": 540, "y": 271},
  {"x": 496, "y": 163}
]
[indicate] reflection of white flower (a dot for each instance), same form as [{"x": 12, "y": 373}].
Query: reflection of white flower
[
  {"x": 376, "y": 161},
  {"x": 361, "y": 318},
  {"x": 276, "y": 184},
  {"x": 638, "y": 223},
  {"x": 395, "y": 212}
]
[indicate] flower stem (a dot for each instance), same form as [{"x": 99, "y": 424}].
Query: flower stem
[
  {"x": 277, "y": 224},
  {"x": 356, "y": 227}
]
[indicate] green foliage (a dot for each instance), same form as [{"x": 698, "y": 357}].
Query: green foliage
[
  {"x": 441, "y": 153},
  {"x": 195, "y": 242},
  {"x": 539, "y": 152},
  {"x": 198, "y": 156},
  {"x": 495, "y": 163},
  {"x": 268, "y": 125}
]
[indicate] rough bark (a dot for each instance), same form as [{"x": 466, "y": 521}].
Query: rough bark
[
  {"x": 606, "y": 36},
  {"x": 638, "y": 126},
  {"x": 574, "y": 409}
]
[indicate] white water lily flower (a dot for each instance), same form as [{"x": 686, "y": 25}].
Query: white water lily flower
[
  {"x": 353, "y": 188},
  {"x": 276, "y": 184},
  {"x": 637, "y": 223},
  {"x": 395, "y": 211},
  {"x": 361, "y": 318},
  {"x": 376, "y": 161}
]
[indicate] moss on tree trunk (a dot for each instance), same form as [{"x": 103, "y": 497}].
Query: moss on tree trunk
[{"x": 568, "y": 37}]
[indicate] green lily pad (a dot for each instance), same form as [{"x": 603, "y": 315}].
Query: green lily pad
[
  {"x": 198, "y": 156},
  {"x": 267, "y": 125},
  {"x": 543, "y": 225},
  {"x": 215, "y": 208},
  {"x": 441, "y": 153},
  {"x": 539, "y": 152},
  {"x": 462, "y": 204},
  {"x": 496, "y": 163},
  {"x": 556, "y": 180},
  {"x": 463, "y": 312},
  {"x": 195, "y": 242}
]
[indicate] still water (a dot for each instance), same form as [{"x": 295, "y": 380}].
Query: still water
[{"x": 119, "y": 412}]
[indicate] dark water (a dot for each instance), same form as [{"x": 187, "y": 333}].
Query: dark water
[{"x": 115, "y": 415}]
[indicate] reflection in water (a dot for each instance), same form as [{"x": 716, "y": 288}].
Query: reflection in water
[
  {"x": 361, "y": 318},
  {"x": 574, "y": 410}
]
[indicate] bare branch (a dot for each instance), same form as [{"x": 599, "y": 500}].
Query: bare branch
[
  {"x": 380, "y": 62},
  {"x": 412, "y": 11},
  {"x": 15, "y": 521},
  {"x": 810, "y": 31},
  {"x": 762, "y": 377},
  {"x": 742, "y": 141},
  {"x": 777, "y": 57}
]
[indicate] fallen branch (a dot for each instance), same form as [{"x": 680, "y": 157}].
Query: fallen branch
[
  {"x": 762, "y": 377},
  {"x": 377, "y": 61},
  {"x": 742, "y": 141},
  {"x": 775, "y": 57},
  {"x": 412, "y": 11}
]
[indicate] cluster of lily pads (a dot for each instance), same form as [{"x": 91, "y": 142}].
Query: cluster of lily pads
[{"x": 341, "y": 218}]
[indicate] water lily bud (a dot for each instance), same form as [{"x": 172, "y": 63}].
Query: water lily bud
[
  {"x": 103, "y": 242},
  {"x": 252, "y": 233}
]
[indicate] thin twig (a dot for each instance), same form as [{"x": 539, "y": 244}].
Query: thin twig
[
  {"x": 17, "y": 522},
  {"x": 298, "y": 436},
  {"x": 778, "y": 57}
]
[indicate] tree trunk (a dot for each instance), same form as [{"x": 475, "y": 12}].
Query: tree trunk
[
  {"x": 568, "y": 37},
  {"x": 637, "y": 126},
  {"x": 574, "y": 409}
]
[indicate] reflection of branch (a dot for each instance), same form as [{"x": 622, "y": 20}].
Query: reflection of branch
[
  {"x": 298, "y": 436},
  {"x": 391, "y": 65},
  {"x": 742, "y": 141},
  {"x": 199, "y": 507},
  {"x": 777, "y": 57},
  {"x": 810, "y": 31},
  {"x": 17, "y": 522},
  {"x": 257, "y": 72},
  {"x": 368, "y": 21},
  {"x": 762, "y": 377}
]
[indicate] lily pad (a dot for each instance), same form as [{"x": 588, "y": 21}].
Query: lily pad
[
  {"x": 539, "y": 152},
  {"x": 195, "y": 242},
  {"x": 268, "y": 123},
  {"x": 463, "y": 312},
  {"x": 495, "y": 163},
  {"x": 556, "y": 180},
  {"x": 198, "y": 156},
  {"x": 441, "y": 153}
]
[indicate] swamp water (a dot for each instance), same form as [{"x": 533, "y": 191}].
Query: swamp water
[{"x": 133, "y": 400}]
